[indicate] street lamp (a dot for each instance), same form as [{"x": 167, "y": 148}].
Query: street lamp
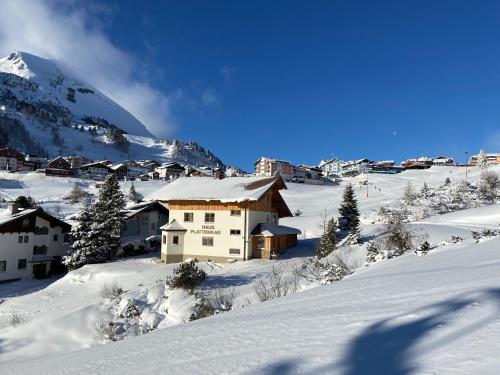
[{"x": 466, "y": 162}]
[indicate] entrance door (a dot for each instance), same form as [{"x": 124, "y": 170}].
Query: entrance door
[{"x": 39, "y": 270}]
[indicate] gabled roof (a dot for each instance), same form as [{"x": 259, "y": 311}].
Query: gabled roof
[
  {"x": 234, "y": 189},
  {"x": 269, "y": 230},
  {"x": 6, "y": 217},
  {"x": 131, "y": 211},
  {"x": 174, "y": 226}
]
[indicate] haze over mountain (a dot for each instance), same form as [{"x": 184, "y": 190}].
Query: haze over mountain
[{"x": 47, "y": 110}]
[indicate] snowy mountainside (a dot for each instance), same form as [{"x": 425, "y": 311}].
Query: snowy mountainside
[{"x": 43, "y": 110}]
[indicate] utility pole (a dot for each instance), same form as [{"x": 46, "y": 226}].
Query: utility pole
[{"x": 466, "y": 163}]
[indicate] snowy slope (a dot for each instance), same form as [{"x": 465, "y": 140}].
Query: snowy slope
[{"x": 434, "y": 314}]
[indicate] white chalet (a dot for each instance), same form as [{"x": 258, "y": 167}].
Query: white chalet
[
  {"x": 31, "y": 243},
  {"x": 224, "y": 219}
]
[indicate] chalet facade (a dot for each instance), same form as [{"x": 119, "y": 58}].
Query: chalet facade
[
  {"x": 95, "y": 171},
  {"x": 170, "y": 171},
  {"x": 11, "y": 160},
  {"x": 31, "y": 243},
  {"x": 224, "y": 219},
  {"x": 144, "y": 220},
  {"x": 491, "y": 158},
  {"x": 267, "y": 167}
]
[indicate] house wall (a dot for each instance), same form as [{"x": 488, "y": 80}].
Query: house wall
[
  {"x": 11, "y": 163},
  {"x": 11, "y": 250},
  {"x": 191, "y": 245},
  {"x": 144, "y": 224}
]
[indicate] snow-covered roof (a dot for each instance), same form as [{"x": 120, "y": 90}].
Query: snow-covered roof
[
  {"x": 133, "y": 210},
  {"x": 235, "y": 189},
  {"x": 6, "y": 215},
  {"x": 269, "y": 230},
  {"x": 173, "y": 227}
]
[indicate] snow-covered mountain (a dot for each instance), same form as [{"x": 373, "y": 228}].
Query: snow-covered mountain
[{"x": 46, "y": 109}]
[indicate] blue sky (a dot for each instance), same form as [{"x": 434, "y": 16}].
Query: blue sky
[{"x": 304, "y": 81}]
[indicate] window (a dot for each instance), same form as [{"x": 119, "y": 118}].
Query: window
[
  {"x": 209, "y": 217},
  {"x": 188, "y": 217},
  {"x": 153, "y": 226},
  {"x": 144, "y": 220},
  {"x": 3, "y": 265},
  {"x": 235, "y": 212},
  {"x": 56, "y": 237},
  {"x": 26, "y": 223},
  {"x": 21, "y": 264},
  {"x": 235, "y": 232},
  {"x": 260, "y": 243},
  {"x": 164, "y": 239},
  {"x": 234, "y": 251},
  {"x": 26, "y": 239},
  {"x": 39, "y": 250},
  {"x": 175, "y": 240},
  {"x": 207, "y": 241},
  {"x": 20, "y": 239}
]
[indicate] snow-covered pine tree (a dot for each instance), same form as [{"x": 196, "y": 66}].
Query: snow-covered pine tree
[
  {"x": 82, "y": 249},
  {"x": 423, "y": 249},
  {"x": 108, "y": 217},
  {"x": 133, "y": 195},
  {"x": 482, "y": 162},
  {"x": 328, "y": 241},
  {"x": 349, "y": 213},
  {"x": 409, "y": 195},
  {"x": 424, "y": 192},
  {"x": 371, "y": 253}
]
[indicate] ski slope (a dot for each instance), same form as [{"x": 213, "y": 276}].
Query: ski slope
[{"x": 436, "y": 314}]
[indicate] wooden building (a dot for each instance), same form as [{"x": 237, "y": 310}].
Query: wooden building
[{"x": 224, "y": 219}]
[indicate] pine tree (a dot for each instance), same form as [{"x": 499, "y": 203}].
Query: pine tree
[
  {"x": 109, "y": 218},
  {"x": 424, "y": 192},
  {"x": 328, "y": 241},
  {"x": 133, "y": 195},
  {"x": 371, "y": 253},
  {"x": 82, "y": 251},
  {"x": 424, "y": 248},
  {"x": 96, "y": 236},
  {"x": 349, "y": 213}
]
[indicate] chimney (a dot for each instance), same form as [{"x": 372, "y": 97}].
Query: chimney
[{"x": 14, "y": 208}]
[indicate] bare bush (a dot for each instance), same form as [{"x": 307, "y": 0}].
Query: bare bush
[
  {"x": 111, "y": 291},
  {"x": 397, "y": 235},
  {"x": 279, "y": 284},
  {"x": 104, "y": 329},
  {"x": 77, "y": 194},
  {"x": 326, "y": 270},
  {"x": 15, "y": 319},
  {"x": 223, "y": 300}
]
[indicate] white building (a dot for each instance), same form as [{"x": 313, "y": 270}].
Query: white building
[
  {"x": 355, "y": 167},
  {"x": 220, "y": 219},
  {"x": 267, "y": 167},
  {"x": 31, "y": 243},
  {"x": 332, "y": 167}
]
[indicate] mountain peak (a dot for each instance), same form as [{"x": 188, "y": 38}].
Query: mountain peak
[{"x": 29, "y": 66}]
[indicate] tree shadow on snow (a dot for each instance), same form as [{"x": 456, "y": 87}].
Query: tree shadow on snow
[
  {"x": 304, "y": 248},
  {"x": 390, "y": 348},
  {"x": 227, "y": 280}
]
